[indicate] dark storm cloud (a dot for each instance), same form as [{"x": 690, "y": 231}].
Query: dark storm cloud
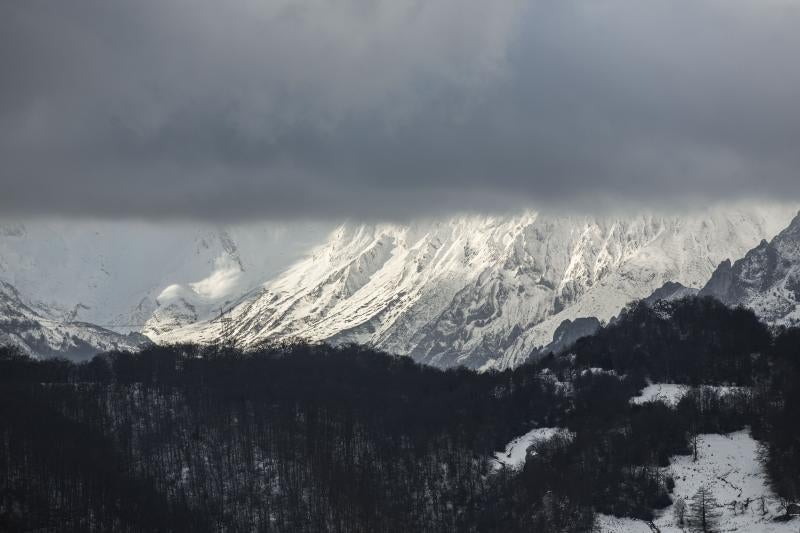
[{"x": 393, "y": 108}]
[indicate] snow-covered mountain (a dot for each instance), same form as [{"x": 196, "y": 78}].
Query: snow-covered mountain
[
  {"x": 119, "y": 274},
  {"x": 766, "y": 279},
  {"x": 37, "y": 335},
  {"x": 475, "y": 290},
  {"x": 481, "y": 291}
]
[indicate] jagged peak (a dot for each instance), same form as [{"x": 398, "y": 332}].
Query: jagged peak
[
  {"x": 795, "y": 223},
  {"x": 791, "y": 231}
]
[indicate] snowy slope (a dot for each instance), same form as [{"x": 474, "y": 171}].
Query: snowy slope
[
  {"x": 766, "y": 279},
  {"x": 671, "y": 393},
  {"x": 728, "y": 465},
  {"x": 478, "y": 289},
  {"x": 36, "y": 335}
]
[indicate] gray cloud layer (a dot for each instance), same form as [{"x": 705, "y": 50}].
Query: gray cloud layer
[{"x": 391, "y": 108}]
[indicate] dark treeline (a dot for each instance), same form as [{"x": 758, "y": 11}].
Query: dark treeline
[
  {"x": 300, "y": 438},
  {"x": 695, "y": 341},
  {"x": 315, "y": 438},
  {"x": 700, "y": 341}
]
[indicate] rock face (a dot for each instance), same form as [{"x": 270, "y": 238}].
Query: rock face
[
  {"x": 478, "y": 290},
  {"x": 570, "y": 331},
  {"x": 766, "y": 279},
  {"x": 39, "y": 336}
]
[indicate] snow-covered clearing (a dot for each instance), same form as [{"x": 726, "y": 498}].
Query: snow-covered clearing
[
  {"x": 729, "y": 466},
  {"x": 667, "y": 393},
  {"x": 671, "y": 394},
  {"x": 516, "y": 450}
]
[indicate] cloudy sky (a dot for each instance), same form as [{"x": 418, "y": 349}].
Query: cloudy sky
[{"x": 287, "y": 109}]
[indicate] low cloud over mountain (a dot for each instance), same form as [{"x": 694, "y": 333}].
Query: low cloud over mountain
[{"x": 243, "y": 109}]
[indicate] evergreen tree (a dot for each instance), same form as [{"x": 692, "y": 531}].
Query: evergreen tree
[{"x": 704, "y": 511}]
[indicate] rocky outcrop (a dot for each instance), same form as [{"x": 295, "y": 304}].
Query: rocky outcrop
[{"x": 766, "y": 279}]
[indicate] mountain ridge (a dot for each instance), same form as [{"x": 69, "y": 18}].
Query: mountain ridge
[
  {"x": 480, "y": 290},
  {"x": 474, "y": 290},
  {"x": 36, "y": 335}
]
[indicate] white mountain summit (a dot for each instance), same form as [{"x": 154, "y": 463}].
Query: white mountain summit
[{"x": 480, "y": 291}]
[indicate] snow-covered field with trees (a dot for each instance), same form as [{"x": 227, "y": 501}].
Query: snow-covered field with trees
[
  {"x": 671, "y": 394},
  {"x": 739, "y": 496}
]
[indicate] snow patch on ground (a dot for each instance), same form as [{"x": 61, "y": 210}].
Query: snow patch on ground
[
  {"x": 516, "y": 450},
  {"x": 604, "y": 523},
  {"x": 671, "y": 394},
  {"x": 729, "y": 466},
  {"x": 667, "y": 393},
  {"x": 600, "y": 371}
]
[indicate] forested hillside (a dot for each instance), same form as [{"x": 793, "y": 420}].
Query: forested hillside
[{"x": 315, "y": 438}]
